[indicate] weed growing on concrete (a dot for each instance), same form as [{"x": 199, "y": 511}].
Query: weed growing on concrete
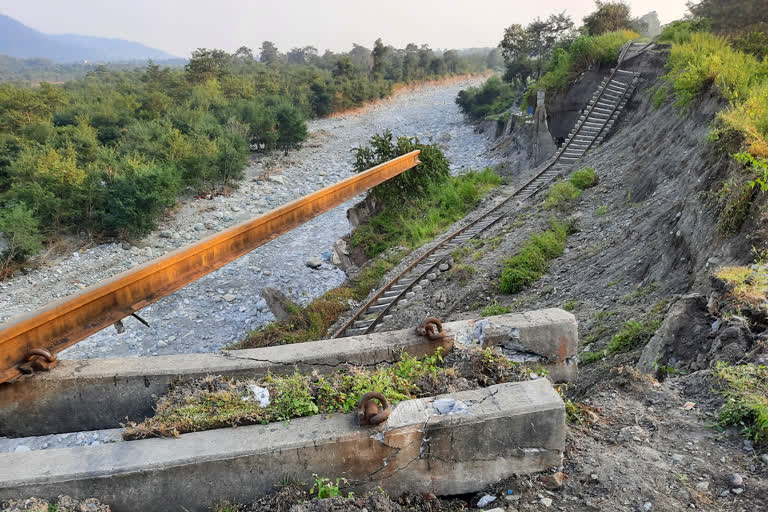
[
  {"x": 217, "y": 402},
  {"x": 495, "y": 309},
  {"x": 325, "y": 488},
  {"x": 745, "y": 389},
  {"x": 530, "y": 263}
]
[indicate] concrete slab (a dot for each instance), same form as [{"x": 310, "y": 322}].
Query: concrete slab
[
  {"x": 508, "y": 429},
  {"x": 97, "y": 394}
]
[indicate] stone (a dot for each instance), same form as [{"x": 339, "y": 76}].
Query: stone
[
  {"x": 22, "y": 449},
  {"x": 764, "y": 458},
  {"x": 702, "y": 486},
  {"x": 229, "y": 297},
  {"x": 554, "y": 481},
  {"x": 647, "y": 506},
  {"x": 280, "y": 305},
  {"x": 314, "y": 263},
  {"x": 677, "y": 458},
  {"x": 632, "y": 433},
  {"x": 736, "y": 480},
  {"x": 443, "y": 267},
  {"x": 277, "y": 178},
  {"x": 165, "y": 234},
  {"x": 737, "y": 490},
  {"x": 125, "y": 245},
  {"x": 547, "y": 502},
  {"x": 198, "y": 227},
  {"x": 209, "y": 225}
]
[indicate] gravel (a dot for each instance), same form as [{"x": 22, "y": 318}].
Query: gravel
[{"x": 223, "y": 306}]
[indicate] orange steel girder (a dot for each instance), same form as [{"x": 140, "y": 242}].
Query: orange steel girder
[{"x": 63, "y": 323}]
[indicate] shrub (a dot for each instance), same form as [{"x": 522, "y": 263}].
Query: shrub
[
  {"x": 495, "y": 309},
  {"x": 493, "y": 97},
  {"x": 19, "y": 227},
  {"x": 680, "y": 31},
  {"x": 433, "y": 169},
  {"x": 561, "y": 194},
  {"x": 584, "y": 178},
  {"x": 530, "y": 263}
]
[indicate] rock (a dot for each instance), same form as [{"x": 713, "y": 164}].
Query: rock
[
  {"x": 736, "y": 480},
  {"x": 280, "y": 305},
  {"x": 547, "y": 502},
  {"x": 229, "y": 297},
  {"x": 443, "y": 267},
  {"x": 631, "y": 433},
  {"x": 267, "y": 273},
  {"x": 680, "y": 337},
  {"x": 647, "y": 506},
  {"x": 554, "y": 481},
  {"x": 749, "y": 446},
  {"x": 277, "y": 178},
  {"x": 677, "y": 458},
  {"x": 737, "y": 490},
  {"x": 410, "y": 295},
  {"x": 209, "y": 225},
  {"x": 22, "y": 449},
  {"x": 165, "y": 234},
  {"x": 198, "y": 227},
  {"x": 764, "y": 458},
  {"x": 702, "y": 486},
  {"x": 314, "y": 263},
  {"x": 125, "y": 245}
]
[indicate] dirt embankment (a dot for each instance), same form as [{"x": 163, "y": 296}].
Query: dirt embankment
[{"x": 646, "y": 236}]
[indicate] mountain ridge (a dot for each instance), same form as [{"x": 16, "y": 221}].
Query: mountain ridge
[{"x": 20, "y": 41}]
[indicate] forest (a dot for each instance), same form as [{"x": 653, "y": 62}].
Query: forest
[{"x": 108, "y": 153}]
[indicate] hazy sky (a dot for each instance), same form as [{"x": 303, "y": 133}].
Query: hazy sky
[{"x": 179, "y": 26}]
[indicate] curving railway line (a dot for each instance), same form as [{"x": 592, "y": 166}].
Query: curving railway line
[{"x": 597, "y": 119}]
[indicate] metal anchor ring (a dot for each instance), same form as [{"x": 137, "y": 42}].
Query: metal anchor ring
[
  {"x": 38, "y": 360},
  {"x": 432, "y": 328},
  {"x": 369, "y": 412}
]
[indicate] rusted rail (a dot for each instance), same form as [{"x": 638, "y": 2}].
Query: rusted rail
[{"x": 67, "y": 321}]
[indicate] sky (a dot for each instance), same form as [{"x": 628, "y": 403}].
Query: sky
[{"x": 180, "y": 26}]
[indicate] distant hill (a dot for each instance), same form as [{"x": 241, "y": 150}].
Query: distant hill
[{"x": 18, "y": 40}]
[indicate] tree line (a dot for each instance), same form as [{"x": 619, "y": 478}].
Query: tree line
[{"x": 110, "y": 152}]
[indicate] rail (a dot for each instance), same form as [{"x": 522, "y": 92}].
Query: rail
[
  {"x": 65, "y": 322},
  {"x": 601, "y": 112}
]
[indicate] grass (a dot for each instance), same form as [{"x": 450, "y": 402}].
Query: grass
[
  {"x": 640, "y": 292},
  {"x": 632, "y": 335},
  {"x": 313, "y": 321},
  {"x": 571, "y": 305},
  {"x": 530, "y": 263},
  {"x": 587, "y": 357},
  {"x": 495, "y": 309},
  {"x": 417, "y": 221},
  {"x": 562, "y": 193},
  {"x": 219, "y": 402},
  {"x": 747, "y": 286},
  {"x": 582, "y": 53},
  {"x": 704, "y": 62},
  {"x": 745, "y": 390}
]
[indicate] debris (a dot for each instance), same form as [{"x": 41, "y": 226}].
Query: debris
[
  {"x": 485, "y": 500},
  {"x": 261, "y": 394},
  {"x": 314, "y": 263},
  {"x": 689, "y": 405},
  {"x": 450, "y": 406}
]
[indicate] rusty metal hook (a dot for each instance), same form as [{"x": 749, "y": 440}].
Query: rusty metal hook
[
  {"x": 371, "y": 413},
  {"x": 38, "y": 360},
  {"x": 432, "y": 328}
]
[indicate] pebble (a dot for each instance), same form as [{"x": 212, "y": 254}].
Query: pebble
[
  {"x": 737, "y": 490},
  {"x": 764, "y": 458},
  {"x": 443, "y": 267},
  {"x": 314, "y": 263},
  {"x": 677, "y": 458},
  {"x": 547, "y": 502},
  {"x": 702, "y": 486},
  {"x": 485, "y": 500},
  {"x": 229, "y": 297},
  {"x": 736, "y": 480},
  {"x": 647, "y": 506},
  {"x": 165, "y": 234}
]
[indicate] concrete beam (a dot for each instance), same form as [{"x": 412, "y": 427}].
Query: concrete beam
[
  {"x": 508, "y": 429},
  {"x": 552, "y": 334},
  {"x": 103, "y": 393}
]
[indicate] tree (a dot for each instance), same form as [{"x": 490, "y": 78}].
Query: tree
[
  {"x": 343, "y": 67},
  {"x": 206, "y": 64},
  {"x": 526, "y": 50},
  {"x": 269, "y": 54},
  {"x": 244, "y": 54},
  {"x": 379, "y": 55},
  {"x": 732, "y": 16},
  {"x": 608, "y": 17}
]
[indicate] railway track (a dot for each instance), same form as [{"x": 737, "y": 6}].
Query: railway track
[{"x": 596, "y": 120}]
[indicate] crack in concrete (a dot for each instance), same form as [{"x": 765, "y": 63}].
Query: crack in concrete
[{"x": 308, "y": 363}]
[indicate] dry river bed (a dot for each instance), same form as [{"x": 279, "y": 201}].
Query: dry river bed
[{"x": 221, "y": 307}]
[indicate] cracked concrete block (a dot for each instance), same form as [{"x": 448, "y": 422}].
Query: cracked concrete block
[
  {"x": 510, "y": 429},
  {"x": 550, "y": 334}
]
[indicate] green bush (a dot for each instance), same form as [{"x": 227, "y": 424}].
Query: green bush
[
  {"x": 680, "y": 31},
  {"x": 413, "y": 183},
  {"x": 493, "y": 97},
  {"x": 632, "y": 335},
  {"x": 20, "y": 230},
  {"x": 561, "y": 194},
  {"x": 584, "y": 178},
  {"x": 532, "y": 261}
]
